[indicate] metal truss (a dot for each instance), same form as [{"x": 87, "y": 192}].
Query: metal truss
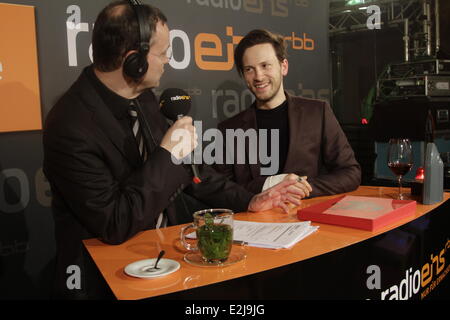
[{"x": 347, "y": 19}]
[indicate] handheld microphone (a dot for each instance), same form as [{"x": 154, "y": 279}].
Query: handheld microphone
[{"x": 174, "y": 104}]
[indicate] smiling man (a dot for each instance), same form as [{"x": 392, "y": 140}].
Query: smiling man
[{"x": 312, "y": 147}]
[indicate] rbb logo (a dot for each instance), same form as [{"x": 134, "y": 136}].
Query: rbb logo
[{"x": 303, "y": 43}]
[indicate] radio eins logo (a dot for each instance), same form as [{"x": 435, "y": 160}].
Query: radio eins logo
[
  {"x": 20, "y": 109},
  {"x": 423, "y": 280},
  {"x": 212, "y": 52},
  {"x": 277, "y": 8}
]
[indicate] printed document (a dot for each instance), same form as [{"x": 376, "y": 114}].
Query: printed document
[{"x": 271, "y": 235}]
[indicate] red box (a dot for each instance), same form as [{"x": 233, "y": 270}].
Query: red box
[{"x": 367, "y": 213}]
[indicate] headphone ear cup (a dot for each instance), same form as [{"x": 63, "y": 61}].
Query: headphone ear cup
[{"x": 135, "y": 65}]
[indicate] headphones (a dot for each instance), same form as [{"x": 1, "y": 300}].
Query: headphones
[{"x": 136, "y": 65}]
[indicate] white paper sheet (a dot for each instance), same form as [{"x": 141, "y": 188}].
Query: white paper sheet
[{"x": 271, "y": 235}]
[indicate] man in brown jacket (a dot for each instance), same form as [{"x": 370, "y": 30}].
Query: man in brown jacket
[{"x": 311, "y": 146}]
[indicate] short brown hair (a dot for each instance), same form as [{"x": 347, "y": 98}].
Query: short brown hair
[
  {"x": 259, "y": 36},
  {"x": 116, "y": 31}
]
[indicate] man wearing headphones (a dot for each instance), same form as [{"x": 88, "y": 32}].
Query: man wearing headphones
[{"x": 108, "y": 151}]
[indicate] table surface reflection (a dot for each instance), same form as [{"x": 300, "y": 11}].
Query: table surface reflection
[{"x": 111, "y": 260}]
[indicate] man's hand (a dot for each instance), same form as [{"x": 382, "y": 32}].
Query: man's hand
[
  {"x": 181, "y": 138},
  {"x": 301, "y": 183},
  {"x": 275, "y": 197}
]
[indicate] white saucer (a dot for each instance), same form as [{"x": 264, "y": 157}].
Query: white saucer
[{"x": 139, "y": 268}]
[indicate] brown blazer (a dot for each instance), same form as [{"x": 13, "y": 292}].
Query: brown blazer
[{"x": 318, "y": 148}]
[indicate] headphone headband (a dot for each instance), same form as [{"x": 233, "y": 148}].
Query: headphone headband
[
  {"x": 144, "y": 32},
  {"x": 135, "y": 66}
]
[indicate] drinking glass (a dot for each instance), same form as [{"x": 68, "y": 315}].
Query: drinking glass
[
  {"x": 214, "y": 234},
  {"x": 400, "y": 160}
]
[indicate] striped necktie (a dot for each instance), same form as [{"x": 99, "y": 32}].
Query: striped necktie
[
  {"x": 137, "y": 131},
  {"x": 161, "y": 221}
]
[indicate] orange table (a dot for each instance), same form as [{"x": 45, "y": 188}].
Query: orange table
[{"x": 111, "y": 260}]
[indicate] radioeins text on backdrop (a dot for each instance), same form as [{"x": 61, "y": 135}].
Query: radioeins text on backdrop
[
  {"x": 276, "y": 8},
  {"x": 207, "y": 49}
]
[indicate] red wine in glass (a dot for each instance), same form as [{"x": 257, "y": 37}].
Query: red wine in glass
[
  {"x": 400, "y": 169},
  {"x": 400, "y": 160}
]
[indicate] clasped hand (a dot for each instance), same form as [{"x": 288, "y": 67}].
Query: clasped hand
[{"x": 277, "y": 196}]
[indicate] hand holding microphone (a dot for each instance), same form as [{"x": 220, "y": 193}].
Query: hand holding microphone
[{"x": 181, "y": 138}]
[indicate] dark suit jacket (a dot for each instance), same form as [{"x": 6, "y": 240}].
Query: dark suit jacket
[
  {"x": 318, "y": 148},
  {"x": 100, "y": 186}
]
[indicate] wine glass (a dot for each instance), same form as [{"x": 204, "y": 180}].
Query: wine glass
[{"x": 400, "y": 160}]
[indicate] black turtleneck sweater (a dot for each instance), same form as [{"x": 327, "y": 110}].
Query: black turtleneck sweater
[{"x": 276, "y": 118}]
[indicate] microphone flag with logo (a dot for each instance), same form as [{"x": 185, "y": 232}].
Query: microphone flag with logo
[{"x": 175, "y": 103}]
